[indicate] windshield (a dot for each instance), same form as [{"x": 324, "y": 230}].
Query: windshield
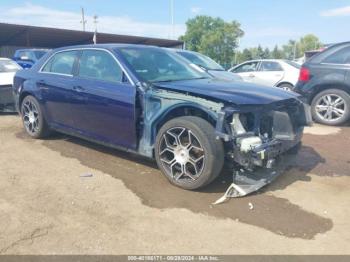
[
  {"x": 296, "y": 65},
  {"x": 202, "y": 60},
  {"x": 8, "y": 66},
  {"x": 39, "y": 54},
  {"x": 158, "y": 65}
]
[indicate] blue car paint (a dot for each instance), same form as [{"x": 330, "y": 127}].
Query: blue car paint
[
  {"x": 26, "y": 64},
  {"x": 108, "y": 114},
  {"x": 238, "y": 93}
]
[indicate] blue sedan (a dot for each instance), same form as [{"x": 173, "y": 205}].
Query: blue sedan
[{"x": 150, "y": 101}]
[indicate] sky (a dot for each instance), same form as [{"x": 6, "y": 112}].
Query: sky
[{"x": 265, "y": 22}]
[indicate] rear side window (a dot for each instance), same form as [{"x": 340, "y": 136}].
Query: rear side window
[
  {"x": 270, "y": 66},
  {"x": 61, "y": 63},
  {"x": 291, "y": 63},
  {"x": 341, "y": 56},
  {"x": 99, "y": 65}
]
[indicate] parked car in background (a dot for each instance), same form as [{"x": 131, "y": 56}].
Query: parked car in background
[
  {"x": 26, "y": 58},
  {"x": 270, "y": 72},
  {"x": 325, "y": 83},
  {"x": 150, "y": 101},
  {"x": 8, "y": 69},
  {"x": 209, "y": 65}
]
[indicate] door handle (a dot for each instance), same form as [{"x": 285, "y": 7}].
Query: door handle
[{"x": 78, "y": 88}]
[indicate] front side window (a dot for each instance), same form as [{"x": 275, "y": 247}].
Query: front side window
[
  {"x": 247, "y": 67},
  {"x": 267, "y": 66},
  {"x": 7, "y": 66},
  {"x": 157, "y": 65},
  {"x": 61, "y": 63},
  {"x": 339, "y": 57},
  {"x": 99, "y": 65}
]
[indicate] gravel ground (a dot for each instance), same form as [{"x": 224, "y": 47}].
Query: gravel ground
[{"x": 67, "y": 196}]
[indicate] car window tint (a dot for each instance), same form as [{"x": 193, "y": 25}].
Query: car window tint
[
  {"x": 154, "y": 65},
  {"x": 270, "y": 66},
  {"x": 340, "y": 57},
  {"x": 61, "y": 63},
  {"x": 99, "y": 65},
  {"x": 247, "y": 67}
]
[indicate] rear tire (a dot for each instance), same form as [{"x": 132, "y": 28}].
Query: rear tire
[
  {"x": 331, "y": 107},
  {"x": 33, "y": 120},
  {"x": 188, "y": 153}
]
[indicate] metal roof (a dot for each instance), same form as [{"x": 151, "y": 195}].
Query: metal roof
[{"x": 33, "y": 36}]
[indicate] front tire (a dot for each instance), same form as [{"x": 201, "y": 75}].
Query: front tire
[
  {"x": 188, "y": 153},
  {"x": 33, "y": 119},
  {"x": 331, "y": 107}
]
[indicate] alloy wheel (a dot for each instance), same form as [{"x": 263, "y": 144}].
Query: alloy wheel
[
  {"x": 330, "y": 107},
  {"x": 30, "y": 115},
  {"x": 181, "y": 154}
]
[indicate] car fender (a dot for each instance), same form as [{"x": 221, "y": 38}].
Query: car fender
[
  {"x": 334, "y": 80},
  {"x": 159, "y": 104}
]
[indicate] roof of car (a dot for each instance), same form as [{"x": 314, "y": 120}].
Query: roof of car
[
  {"x": 4, "y": 59},
  {"x": 33, "y": 49},
  {"x": 106, "y": 46},
  {"x": 184, "y": 51}
]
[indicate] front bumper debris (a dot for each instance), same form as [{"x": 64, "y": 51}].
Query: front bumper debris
[
  {"x": 258, "y": 139},
  {"x": 246, "y": 182}
]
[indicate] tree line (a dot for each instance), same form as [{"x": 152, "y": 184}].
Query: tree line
[{"x": 219, "y": 40}]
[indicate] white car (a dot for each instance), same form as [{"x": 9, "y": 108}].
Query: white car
[
  {"x": 208, "y": 65},
  {"x": 8, "y": 69},
  {"x": 269, "y": 72}
]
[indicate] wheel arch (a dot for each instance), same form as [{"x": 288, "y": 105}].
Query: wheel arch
[
  {"x": 21, "y": 98},
  {"x": 285, "y": 83},
  {"x": 184, "y": 109},
  {"x": 323, "y": 87}
]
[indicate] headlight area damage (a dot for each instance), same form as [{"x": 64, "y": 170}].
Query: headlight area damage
[{"x": 258, "y": 138}]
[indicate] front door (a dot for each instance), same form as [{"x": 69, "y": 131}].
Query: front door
[
  {"x": 108, "y": 111},
  {"x": 247, "y": 71}
]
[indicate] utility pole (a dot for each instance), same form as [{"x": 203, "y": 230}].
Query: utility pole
[
  {"x": 83, "y": 21},
  {"x": 172, "y": 18},
  {"x": 95, "y": 34}
]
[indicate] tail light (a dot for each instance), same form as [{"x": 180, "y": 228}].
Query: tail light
[{"x": 304, "y": 75}]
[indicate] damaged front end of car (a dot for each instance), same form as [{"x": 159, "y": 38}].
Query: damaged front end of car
[{"x": 257, "y": 138}]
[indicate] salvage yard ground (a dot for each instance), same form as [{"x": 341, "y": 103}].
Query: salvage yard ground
[{"x": 67, "y": 196}]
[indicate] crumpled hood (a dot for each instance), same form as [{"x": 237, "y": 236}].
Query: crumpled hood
[{"x": 239, "y": 93}]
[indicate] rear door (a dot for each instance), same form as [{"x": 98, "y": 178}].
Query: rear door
[
  {"x": 270, "y": 73},
  {"x": 247, "y": 71},
  {"x": 55, "y": 82},
  {"x": 107, "y": 112}
]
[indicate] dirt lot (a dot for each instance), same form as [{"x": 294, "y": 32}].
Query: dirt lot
[{"x": 49, "y": 205}]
